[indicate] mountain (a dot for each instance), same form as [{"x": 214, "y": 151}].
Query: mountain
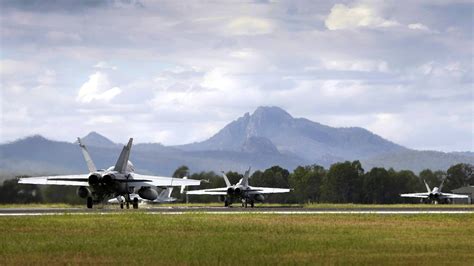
[
  {"x": 269, "y": 136},
  {"x": 97, "y": 140},
  {"x": 310, "y": 140}
]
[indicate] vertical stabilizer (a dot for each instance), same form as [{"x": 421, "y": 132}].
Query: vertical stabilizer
[
  {"x": 122, "y": 161},
  {"x": 245, "y": 179},
  {"x": 87, "y": 157},
  {"x": 165, "y": 194},
  {"x": 442, "y": 184},
  {"x": 183, "y": 187},
  {"x": 226, "y": 180},
  {"x": 427, "y": 187}
]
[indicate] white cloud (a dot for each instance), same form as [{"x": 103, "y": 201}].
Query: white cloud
[
  {"x": 218, "y": 79},
  {"x": 47, "y": 78},
  {"x": 59, "y": 36},
  {"x": 12, "y": 67},
  {"x": 103, "y": 119},
  {"x": 104, "y": 65},
  {"x": 390, "y": 126},
  {"x": 249, "y": 26},
  {"x": 356, "y": 65},
  {"x": 97, "y": 88},
  {"x": 345, "y": 17},
  {"x": 187, "y": 70},
  {"x": 418, "y": 26}
]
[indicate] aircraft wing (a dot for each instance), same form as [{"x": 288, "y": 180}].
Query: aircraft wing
[
  {"x": 267, "y": 190},
  {"x": 454, "y": 196},
  {"x": 210, "y": 191},
  {"x": 162, "y": 181},
  {"x": 61, "y": 180},
  {"x": 415, "y": 195}
]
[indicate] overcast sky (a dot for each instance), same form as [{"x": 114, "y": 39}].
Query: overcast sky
[{"x": 177, "y": 71}]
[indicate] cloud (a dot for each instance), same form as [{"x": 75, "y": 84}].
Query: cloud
[
  {"x": 97, "y": 88},
  {"x": 345, "y": 17},
  {"x": 249, "y": 26},
  {"x": 10, "y": 67},
  {"x": 103, "y": 119},
  {"x": 59, "y": 36},
  {"x": 187, "y": 70},
  {"x": 104, "y": 65},
  {"x": 356, "y": 65},
  {"x": 418, "y": 26}
]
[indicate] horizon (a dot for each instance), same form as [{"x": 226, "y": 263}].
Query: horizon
[
  {"x": 120, "y": 142},
  {"x": 176, "y": 73}
]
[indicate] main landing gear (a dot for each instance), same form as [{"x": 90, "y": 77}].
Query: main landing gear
[
  {"x": 245, "y": 203},
  {"x": 89, "y": 202},
  {"x": 134, "y": 204}
]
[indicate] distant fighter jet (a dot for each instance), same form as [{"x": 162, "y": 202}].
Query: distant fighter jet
[
  {"x": 435, "y": 195},
  {"x": 119, "y": 181},
  {"x": 241, "y": 190}
]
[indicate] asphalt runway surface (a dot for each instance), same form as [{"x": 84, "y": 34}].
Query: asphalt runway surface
[{"x": 233, "y": 210}]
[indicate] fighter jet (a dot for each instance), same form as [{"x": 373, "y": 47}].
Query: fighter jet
[
  {"x": 119, "y": 181},
  {"x": 434, "y": 196},
  {"x": 240, "y": 191}
]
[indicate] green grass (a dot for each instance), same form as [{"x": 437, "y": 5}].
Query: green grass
[{"x": 236, "y": 239}]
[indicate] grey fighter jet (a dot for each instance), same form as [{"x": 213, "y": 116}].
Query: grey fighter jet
[
  {"x": 434, "y": 196},
  {"x": 240, "y": 191},
  {"x": 119, "y": 181}
]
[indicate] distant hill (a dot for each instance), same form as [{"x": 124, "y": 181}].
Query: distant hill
[
  {"x": 97, "y": 140},
  {"x": 296, "y": 136},
  {"x": 269, "y": 136}
]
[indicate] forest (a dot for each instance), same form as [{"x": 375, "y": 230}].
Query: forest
[{"x": 344, "y": 182}]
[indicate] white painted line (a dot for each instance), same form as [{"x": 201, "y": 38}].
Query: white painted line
[
  {"x": 319, "y": 212},
  {"x": 242, "y": 212}
]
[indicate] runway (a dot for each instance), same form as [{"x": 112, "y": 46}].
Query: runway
[{"x": 232, "y": 210}]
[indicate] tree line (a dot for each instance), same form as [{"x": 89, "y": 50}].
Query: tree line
[{"x": 344, "y": 182}]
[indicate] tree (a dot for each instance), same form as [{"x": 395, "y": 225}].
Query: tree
[
  {"x": 306, "y": 182},
  {"x": 342, "y": 183},
  {"x": 433, "y": 179},
  {"x": 459, "y": 175},
  {"x": 375, "y": 186},
  {"x": 274, "y": 176},
  {"x": 181, "y": 171},
  {"x": 12, "y": 192},
  {"x": 211, "y": 180},
  {"x": 404, "y": 181},
  {"x": 234, "y": 177}
]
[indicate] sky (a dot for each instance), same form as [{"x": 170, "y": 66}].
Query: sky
[{"x": 176, "y": 72}]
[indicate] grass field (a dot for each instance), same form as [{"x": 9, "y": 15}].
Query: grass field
[{"x": 250, "y": 239}]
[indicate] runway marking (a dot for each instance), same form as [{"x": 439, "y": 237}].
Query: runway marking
[
  {"x": 240, "y": 212},
  {"x": 320, "y": 212}
]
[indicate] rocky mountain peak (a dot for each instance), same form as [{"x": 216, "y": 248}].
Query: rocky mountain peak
[
  {"x": 96, "y": 139},
  {"x": 266, "y": 118}
]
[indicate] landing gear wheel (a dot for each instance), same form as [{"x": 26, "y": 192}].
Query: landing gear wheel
[
  {"x": 89, "y": 203},
  {"x": 135, "y": 203},
  {"x": 245, "y": 203},
  {"x": 252, "y": 203},
  {"x": 226, "y": 203},
  {"x": 128, "y": 205},
  {"x": 121, "y": 205}
]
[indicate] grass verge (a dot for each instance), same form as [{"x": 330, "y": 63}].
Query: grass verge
[{"x": 251, "y": 239}]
